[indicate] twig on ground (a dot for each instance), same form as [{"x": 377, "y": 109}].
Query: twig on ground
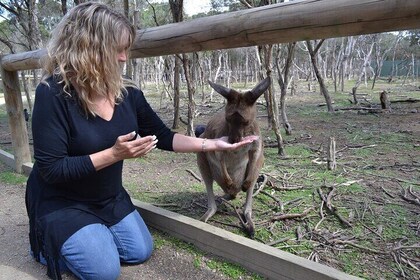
[
  {"x": 321, "y": 213},
  {"x": 314, "y": 256},
  {"x": 236, "y": 211},
  {"x": 385, "y": 191},
  {"x": 393, "y": 178},
  {"x": 406, "y": 197},
  {"x": 272, "y": 243},
  {"x": 193, "y": 174},
  {"x": 346, "y": 242},
  {"x": 291, "y": 215},
  {"x": 397, "y": 261},
  {"x": 371, "y": 230},
  {"x": 332, "y": 208},
  {"x": 287, "y": 188},
  {"x": 275, "y": 199},
  {"x": 165, "y": 204}
]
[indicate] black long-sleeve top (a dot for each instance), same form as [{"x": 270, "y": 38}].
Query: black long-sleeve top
[{"x": 64, "y": 191}]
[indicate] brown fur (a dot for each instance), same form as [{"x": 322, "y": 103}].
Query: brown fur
[{"x": 239, "y": 169}]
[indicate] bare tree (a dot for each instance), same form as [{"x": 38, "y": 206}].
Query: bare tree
[
  {"x": 381, "y": 54},
  {"x": 362, "y": 73},
  {"x": 177, "y": 16},
  {"x": 283, "y": 80},
  {"x": 265, "y": 54},
  {"x": 323, "y": 88}
]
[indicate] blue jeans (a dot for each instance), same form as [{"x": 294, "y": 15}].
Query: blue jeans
[{"x": 95, "y": 251}]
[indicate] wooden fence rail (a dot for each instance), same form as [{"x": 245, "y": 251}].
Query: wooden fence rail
[{"x": 278, "y": 23}]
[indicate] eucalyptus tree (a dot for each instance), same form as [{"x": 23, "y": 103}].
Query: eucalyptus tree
[
  {"x": 265, "y": 59},
  {"x": 283, "y": 74},
  {"x": 25, "y": 35},
  {"x": 366, "y": 47},
  {"x": 177, "y": 16},
  {"x": 313, "y": 50}
]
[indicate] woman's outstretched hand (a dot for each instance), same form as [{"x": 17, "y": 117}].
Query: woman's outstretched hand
[
  {"x": 127, "y": 147},
  {"x": 223, "y": 144}
]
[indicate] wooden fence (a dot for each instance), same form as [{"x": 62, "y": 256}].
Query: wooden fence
[{"x": 278, "y": 23}]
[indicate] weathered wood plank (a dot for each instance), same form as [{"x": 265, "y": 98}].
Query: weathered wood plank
[
  {"x": 257, "y": 257},
  {"x": 277, "y": 23},
  {"x": 17, "y": 124},
  {"x": 23, "y": 61},
  {"x": 7, "y": 158}
]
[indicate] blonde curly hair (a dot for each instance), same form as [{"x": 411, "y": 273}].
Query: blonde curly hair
[{"x": 83, "y": 51}]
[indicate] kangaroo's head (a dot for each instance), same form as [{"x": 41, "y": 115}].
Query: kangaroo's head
[{"x": 240, "y": 111}]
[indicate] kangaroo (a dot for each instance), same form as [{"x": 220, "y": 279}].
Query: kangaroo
[{"x": 234, "y": 170}]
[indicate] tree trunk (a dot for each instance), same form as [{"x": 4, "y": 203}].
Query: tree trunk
[
  {"x": 323, "y": 88},
  {"x": 216, "y": 75},
  {"x": 26, "y": 90},
  {"x": 176, "y": 9},
  {"x": 331, "y": 162},
  {"x": 283, "y": 80},
  {"x": 385, "y": 104},
  {"x": 362, "y": 70},
  {"x": 265, "y": 54},
  {"x": 191, "y": 92}
]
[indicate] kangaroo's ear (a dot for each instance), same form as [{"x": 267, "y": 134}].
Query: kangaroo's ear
[
  {"x": 224, "y": 91},
  {"x": 259, "y": 89}
]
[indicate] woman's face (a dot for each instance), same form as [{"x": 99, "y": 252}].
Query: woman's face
[
  {"x": 122, "y": 56},
  {"x": 122, "y": 50}
]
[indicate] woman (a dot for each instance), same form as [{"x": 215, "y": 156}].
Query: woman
[{"x": 86, "y": 120}]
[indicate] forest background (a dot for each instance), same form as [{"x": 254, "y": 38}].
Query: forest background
[{"x": 332, "y": 88}]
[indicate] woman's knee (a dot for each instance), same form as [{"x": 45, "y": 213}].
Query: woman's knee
[
  {"x": 91, "y": 253},
  {"x": 133, "y": 239},
  {"x": 140, "y": 252}
]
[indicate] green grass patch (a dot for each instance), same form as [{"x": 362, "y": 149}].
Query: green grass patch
[
  {"x": 13, "y": 178},
  {"x": 231, "y": 270}
]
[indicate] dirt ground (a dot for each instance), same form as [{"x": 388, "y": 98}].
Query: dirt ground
[
  {"x": 167, "y": 262},
  {"x": 378, "y": 160},
  {"x": 378, "y": 157}
]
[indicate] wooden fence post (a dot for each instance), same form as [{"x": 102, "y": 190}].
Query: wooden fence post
[
  {"x": 332, "y": 164},
  {"x": 17, "y": 124}
]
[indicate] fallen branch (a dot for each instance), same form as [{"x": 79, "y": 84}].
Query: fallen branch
[
  {"x": 370, "y": 110},
  {"x": 278, "y": 241},
  {"x": 346, "y": 242},
  {"x": 390, "y": 195},
  {"x": 161, "y": 205},
  {"x": 409, "y": 100},
  {"x": 371, "y": 230},
  {"x": 291, "y": 215},
  {"x": 274, "y": 198},
  {"x": 243, "y": 223},
  {"x": 394, "y": 178},
  {"x": 410, "y": 190},
  {"x": 361, "y": 146},
  {"x": 406, "y": 197},
  {"x": 321, "y": 213},
  {"x": 287, "y": 188},
  {"x": 330, "y": 207}
]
